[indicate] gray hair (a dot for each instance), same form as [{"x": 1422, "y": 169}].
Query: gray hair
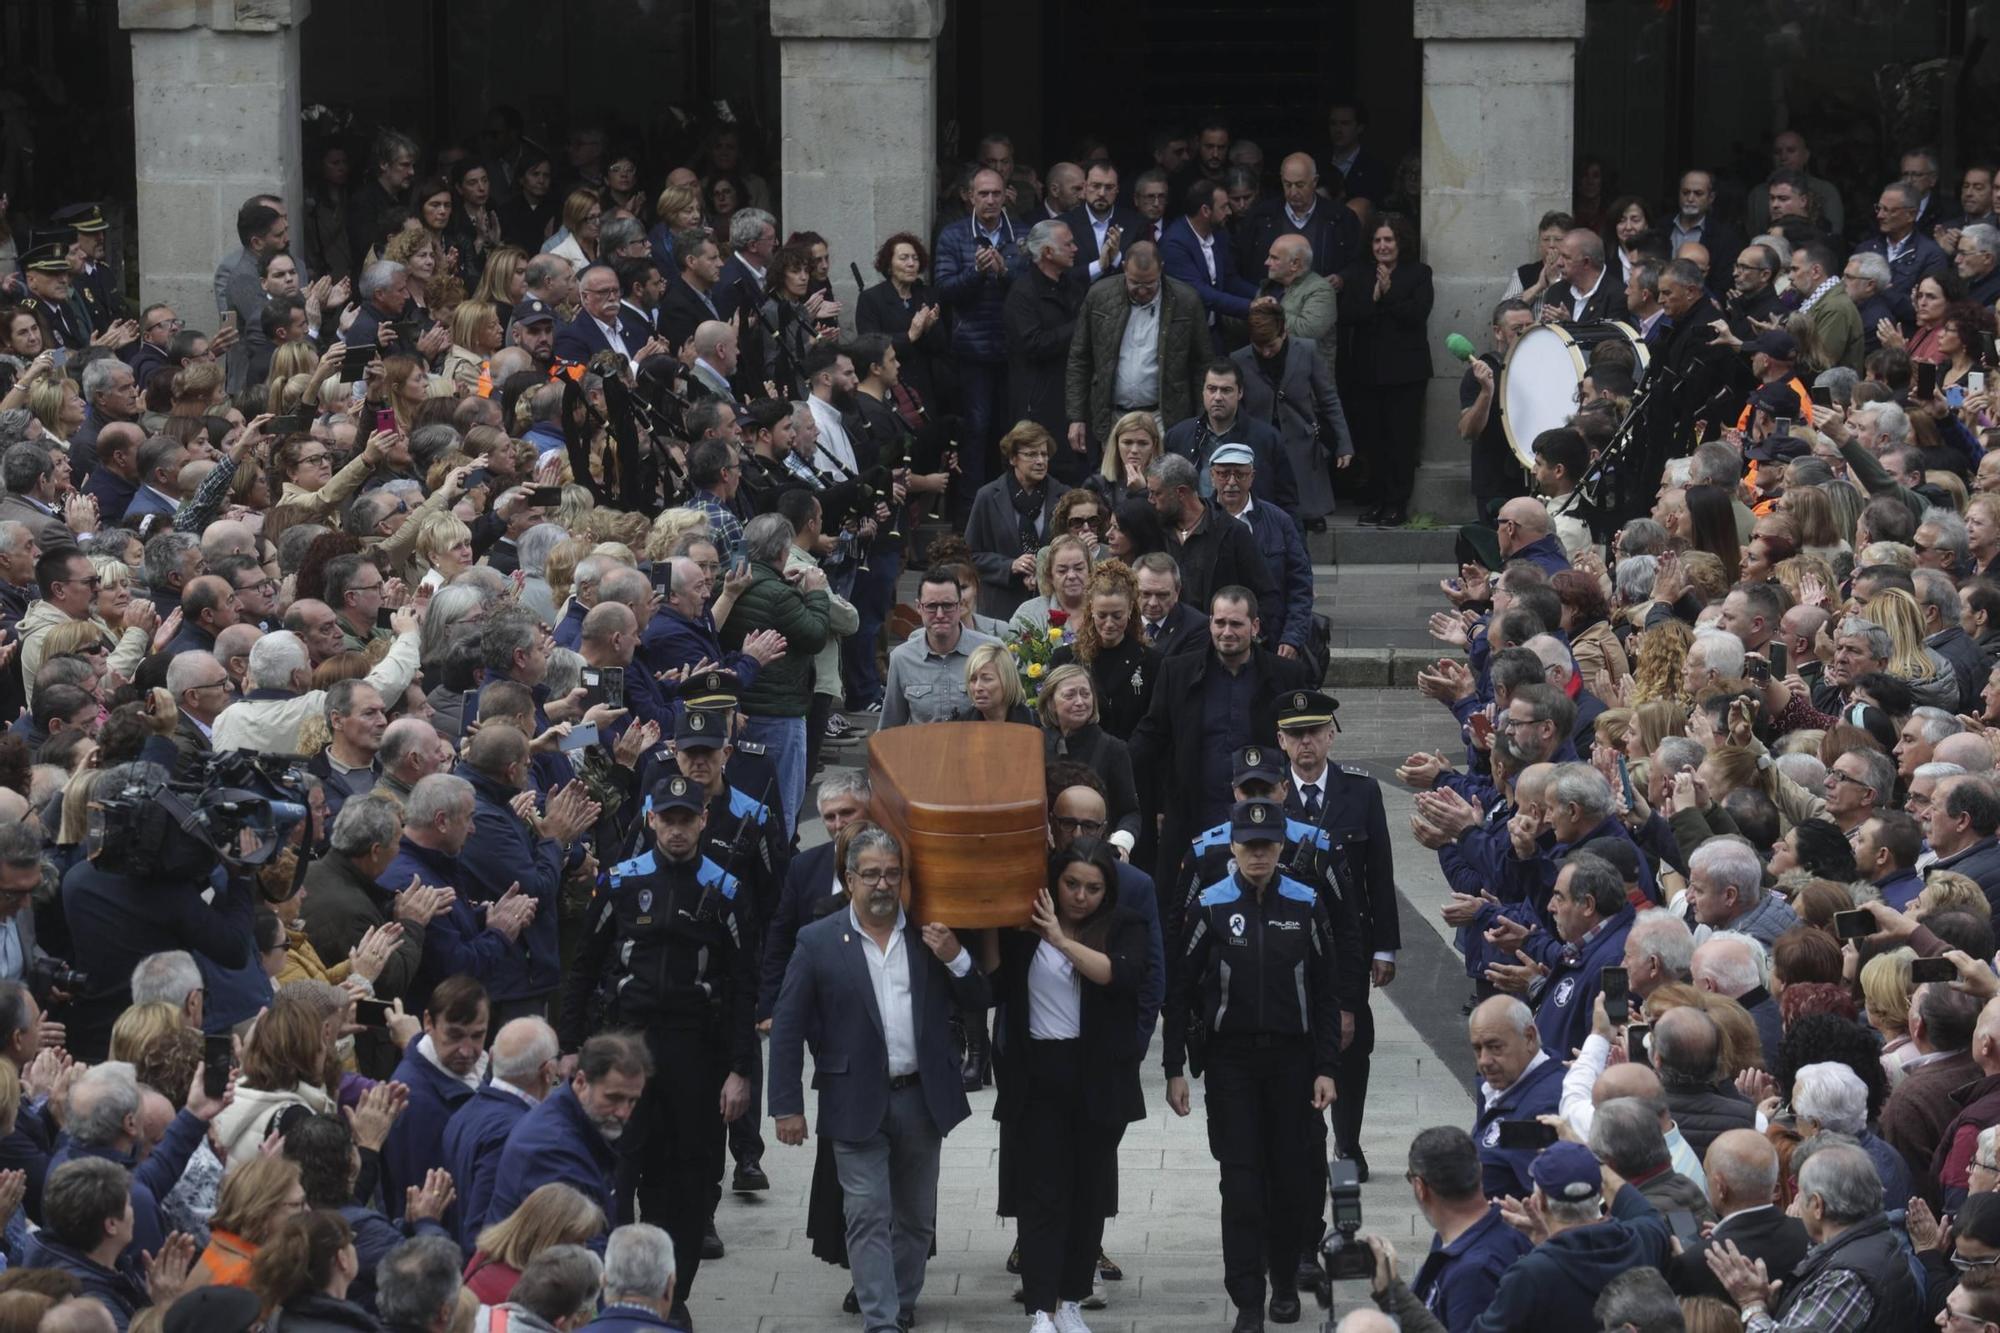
[
  {"x": 617, "y": 233},
  {"x": 418, "y": 1280},
  {"x": 1873, "y": 268},
  {"x": 532, "y": 1055},
  {"x": 1582, "y": 786},
  {"x": 746, "y": 227},
  {"x": 182, "y": 671},
  {"x": 565, "y": 671},
  {"x": 639, "y": 1259},
  {"x": 1934, "y": 587},
  {"x": 365, "y": 822},
  {"x": 1678, "y": 752},
  {"x": 1909, "y": 192},
  {"x": 1659, "y": 933},
  {"x": 508, "y": 630},
  {"x": 1721, "y": 651},
  {"x": 1173, "y": 472},
  {"x": 1517, "y": 1015},
  {"x": 1804, "y": 769},
  {"x": 376, "y": 277},
  {"x": 766, "y": 538},
  {"x": 1740, "y": 966},
  {"x": 1880, "y": 645},
  {"x": 14, "y": 535},
  {"x": 1880, "y": 773},
  {"x": 1839, "y": 380},
  {"x": 1551, "y": 652},
  {"x": 1892, "y": 422},
  {"x": 1846, "y": 1181},
  {"x": 449, "y": 605},
  {"x": 874, "y": 839},
  {"x": 1041, "y": 237},
  {"x": 438, "y": 794},
  {"x": 1832, "y": 1094},
  {"x": 97, "y": 376},
  {"x": 99, "y": 1101},
  {"x": 1717, "y": 464},
  {"x": 536, "y": 543},
  {"x": 402, "y": 738},
  {"x": 1626, "y": 1133},
  {"x": 1634, "y": 578},
  {"x": 164, "y": 554},
  {"x": 1985, "y": 238},
  {"x": 1730, "y": 865},
  {"x": 170, "y": 977},
  {"x": 1937, "y": 772},
  {"x": 1938, "y": 723},
  {"x": 559, "y": 1282},
  {"x": 1640, "y": 1299},
  {"x": 845, "y": 782}
]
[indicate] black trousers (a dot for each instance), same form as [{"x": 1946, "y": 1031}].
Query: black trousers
[
  {"x": 1351, "y": 1086},
  {"x": 1260, "y": 1129},
  {"x": 1066, "y": 1160},
  {"x": 1387, "y": 421},
  {"x": 671, "y": 1152},
  {"x": 746, "y": 1136}
]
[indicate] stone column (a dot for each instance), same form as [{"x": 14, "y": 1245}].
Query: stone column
[
  {"x": 1499, "y": 149},
  {"x": 859, "y": 81},
  {"x": 215, "y": 110}
]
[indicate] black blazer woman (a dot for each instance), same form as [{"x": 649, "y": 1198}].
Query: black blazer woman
[
  {"x": 1072, "y": 728},
  {"x": 1067, "y": 1062},
  {"x": 1385, "y": 363}
]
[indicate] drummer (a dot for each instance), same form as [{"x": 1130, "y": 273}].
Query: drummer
[{"x": 1496, "y": 472}]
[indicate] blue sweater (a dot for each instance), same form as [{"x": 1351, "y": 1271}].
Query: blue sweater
[
  {"x": 152, "y": 1179},
  {"x": 472, "y": 1144},
  {"x": 501, "y": 852},
  {"x": 457, "y": 942},
  {"x": 1537, "y": 1092},
  {"x": 416, "y": 1143},
  {"x": 556, "y": 1142}
]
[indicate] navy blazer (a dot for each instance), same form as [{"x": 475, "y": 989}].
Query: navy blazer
[
  {"x": 580, "y": 338},
  {"x": 828, "y": 999},
  {"x": 1180, "y": 252},
  {"x": 729, "y": 288},
  {"x": 1130, "y": 228}
]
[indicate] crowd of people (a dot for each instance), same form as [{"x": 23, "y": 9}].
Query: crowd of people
[{"x": 1721, "y": 842}]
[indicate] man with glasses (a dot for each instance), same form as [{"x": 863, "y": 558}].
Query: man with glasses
[
  {"x": 157, "y": 326},
  {"x": 1753, "y": 293},
  {"x": 200, "y": 688},
  {"x": 1911, "y": 253},
  {"x": 597, "y": 328},
  {"x": 69, "y": 585},
  {"x": 927, "y": 672},
  {"x": 354, "y": 588}
]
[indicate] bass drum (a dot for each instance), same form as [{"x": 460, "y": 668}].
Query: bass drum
[{"x": 1544, "y": 373}]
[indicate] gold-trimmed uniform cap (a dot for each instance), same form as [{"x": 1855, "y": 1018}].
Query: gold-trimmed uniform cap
[{"x": 1303, "y": 709}]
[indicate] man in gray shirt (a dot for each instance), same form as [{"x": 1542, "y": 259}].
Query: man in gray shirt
[{"x": 927, "y": 674}]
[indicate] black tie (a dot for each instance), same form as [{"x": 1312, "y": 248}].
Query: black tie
[
  {"x": 1152, "y": 631},
  {"x": 1311, "y": 797}
]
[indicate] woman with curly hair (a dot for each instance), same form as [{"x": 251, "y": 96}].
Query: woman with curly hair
[
  {"x": 1122, "y": 664},
  {"x": 1932, "y": 681},
  {"x": 1661, "y": 662},
  {"x": 1081, "y": 513}
]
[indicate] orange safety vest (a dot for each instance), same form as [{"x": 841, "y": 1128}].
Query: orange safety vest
[{"x": 1798, "y": 387}]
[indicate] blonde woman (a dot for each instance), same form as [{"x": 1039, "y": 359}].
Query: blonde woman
[
  {"x": 475, "y": 336},
  {"x": 670, "y": 529},
  {"x": 1071, "y": 730},
  {"x": 1885, "y": 991},
  {"x": 582, "y": 213},
  {"x": 258, "y": 1195},
  {"x": 292, "y": 358},
  {"x": 1982, "y": 531},
  {"x": 58, "y": 404},
  {"x": 1657, "y": 667},
  {"x": 678, "y": 209},
  {"x": 1931, "y": 678},
  {"x": 197, "y": 389},
  {"x": 993, "y": 685},
  {"x": 444, "y": 547},
  {"x": 406, "y": 382},
  {"x": 501, "y": 284},
  {"x": 1135, "y": 443},
  {"x": 417, "y": 251},
  {"x": 139, "y": 1024},
  {"x": 553, "y": 1215},
  {"x": 1122, "y": 664},
  {"x": 85, "y": 639}
]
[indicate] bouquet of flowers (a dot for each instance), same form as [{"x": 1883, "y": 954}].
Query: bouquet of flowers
[{"x": 1034, "y": 649}]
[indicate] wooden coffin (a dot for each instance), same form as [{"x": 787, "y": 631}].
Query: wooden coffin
[{"x": 967, "y": 801}]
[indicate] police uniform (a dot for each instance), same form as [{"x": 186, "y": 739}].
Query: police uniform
[
  {"x": 68, "y": 320},
  {"x": 1256, "y": 971},
  {"x": 97, "y": 286},
  {"x": 665, "y": 941},
  {"x": 1347, "y": 804}
]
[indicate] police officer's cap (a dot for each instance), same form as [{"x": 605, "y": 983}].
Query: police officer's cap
[
  {"x": 1257, "y": 821},
  {"x": 50, "y": 258},
  {"x": 677, "y": 793},
  {"x": 701, "y": 729},
  {"x": 711, "y": 689},
  {"x": 81, "y": 218},
  {"x": 1306, "y": 709},
  {"x": 1258, "y": 763},
  {"x": 1567, "y": 1172}
]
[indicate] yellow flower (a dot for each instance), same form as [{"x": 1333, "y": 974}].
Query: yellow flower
[
  {"x": 1035, "y": 670},
  {"x": 1055, "y": 634}
]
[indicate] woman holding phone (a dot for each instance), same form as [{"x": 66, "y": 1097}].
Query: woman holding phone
[{"x": 1067, "y": 1055}]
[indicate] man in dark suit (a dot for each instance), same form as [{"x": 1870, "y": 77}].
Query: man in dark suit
[
  {"x": 1207, "y": 705},
  {"x": 1696, "y": 222},
  {"x": 1361, "y": 175},
  {"x": 1584, "y": 295},
  {"x": 1700, "y": 368},
  {"x": 1197, "y": 249},
  {"x": 1168, "y": 623},
  {"x": 753, "y": 236},
  {"x": 1912, "y": 254},
  {"x": 641, "y": 286},
  {"x": 599, "y": 325},
  {"x": 1742, "y": 1170},
  {"x": 887, "y": 1077},
  {"x": 1333, "y": 231},
  {"x": 1102, "y": 227},
  {"x": 813, "y": 886},
  {"x": 690, "y": 300}
]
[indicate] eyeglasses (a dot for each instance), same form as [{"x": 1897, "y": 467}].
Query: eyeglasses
[
  {"x": 1092, "y": 827},
  {"x": 1985, "y": 1165},
  {"x": 1084, "y": 522},
  {"x": 1965, "y": 1265},
  {"x": 1510, "y": 723},
  {"x": 893, "y": 875},
  {"x": 166, "y": 324},
  {"x": 936, "y": 608},
  {"x": 261, "y": 585},
  {"x": 1836, "y": 775},
  {"x": 94, "y": 582},
  {"x": 311, "y": 458}
]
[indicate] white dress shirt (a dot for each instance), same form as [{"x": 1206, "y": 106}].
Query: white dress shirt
[
  {"x": 1055, "y": 995},
  {"x": 833, "y": 441},
  {"x": 1098, "y": 228},
  {"x": 1578, "y": 300},
  {"x": 889, "y": 970},
  {"x": 615, "y": 340}
]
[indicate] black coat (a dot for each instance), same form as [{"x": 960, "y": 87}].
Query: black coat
[
  {"x": 1607, "y": 302},
  {"x": 1767, "y": 1234},
  {"x": 1131, "y": 227},
  {"x": 1221, "y": 552},
  {"x": 1108, "y": 757},
  {"x": 681, "y": 312},
  {"x": 1040, "y": 318},
  {"x": 1123, "y": 677},
  {"x": 1386, "y": 341},
  {"x": 1167, "y": 747},
  {"x": 880, "y": 310},
  {"x": 1110, "y": 1020}
]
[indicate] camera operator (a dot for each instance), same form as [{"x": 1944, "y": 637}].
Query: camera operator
[
  {"x": 1474, "y": 1247},
  {"x": 1578, "y": 1248},
  {"x": 116, "y": 920}
]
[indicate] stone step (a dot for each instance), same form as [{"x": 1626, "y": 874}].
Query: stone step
[{"x": 1347, "y": 542}]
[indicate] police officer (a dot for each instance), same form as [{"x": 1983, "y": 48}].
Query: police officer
[
  {"x": 1345, "y": 802},
  {"x": 666, "y": 940},
  {"x": 94, "y": 283},
  {"x": 1257, "y": 969},
  {"x": 46, "y": 271}
]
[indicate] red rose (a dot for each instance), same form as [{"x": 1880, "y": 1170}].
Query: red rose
[{"x": 1058, "y": 616}]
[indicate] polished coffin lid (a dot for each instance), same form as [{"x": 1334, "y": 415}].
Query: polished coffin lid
[{"x": 968, "y": 802}]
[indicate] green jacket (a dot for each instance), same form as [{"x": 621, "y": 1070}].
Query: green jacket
[{"x": 784, "y": 687}]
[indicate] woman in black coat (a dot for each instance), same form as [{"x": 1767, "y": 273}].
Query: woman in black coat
[
  {"x": 904, "y": 307},
  {"x": 993, "y": 688},
  {"x": 1385, "y": 364},
  {"x": 1072, "y": 729},
  {"x": 1068, "y": 1057},
  {"x": 1122, "y": 664},
  {"x": 1012, "y": 519}
]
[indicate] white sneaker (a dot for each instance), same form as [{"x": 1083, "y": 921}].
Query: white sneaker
[
  {"x": 1040, "y": 1322},
  {"x": 1069, "y": 1319}
]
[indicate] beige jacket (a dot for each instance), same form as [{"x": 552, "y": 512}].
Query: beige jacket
[{"x": 271, "y": 726}]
